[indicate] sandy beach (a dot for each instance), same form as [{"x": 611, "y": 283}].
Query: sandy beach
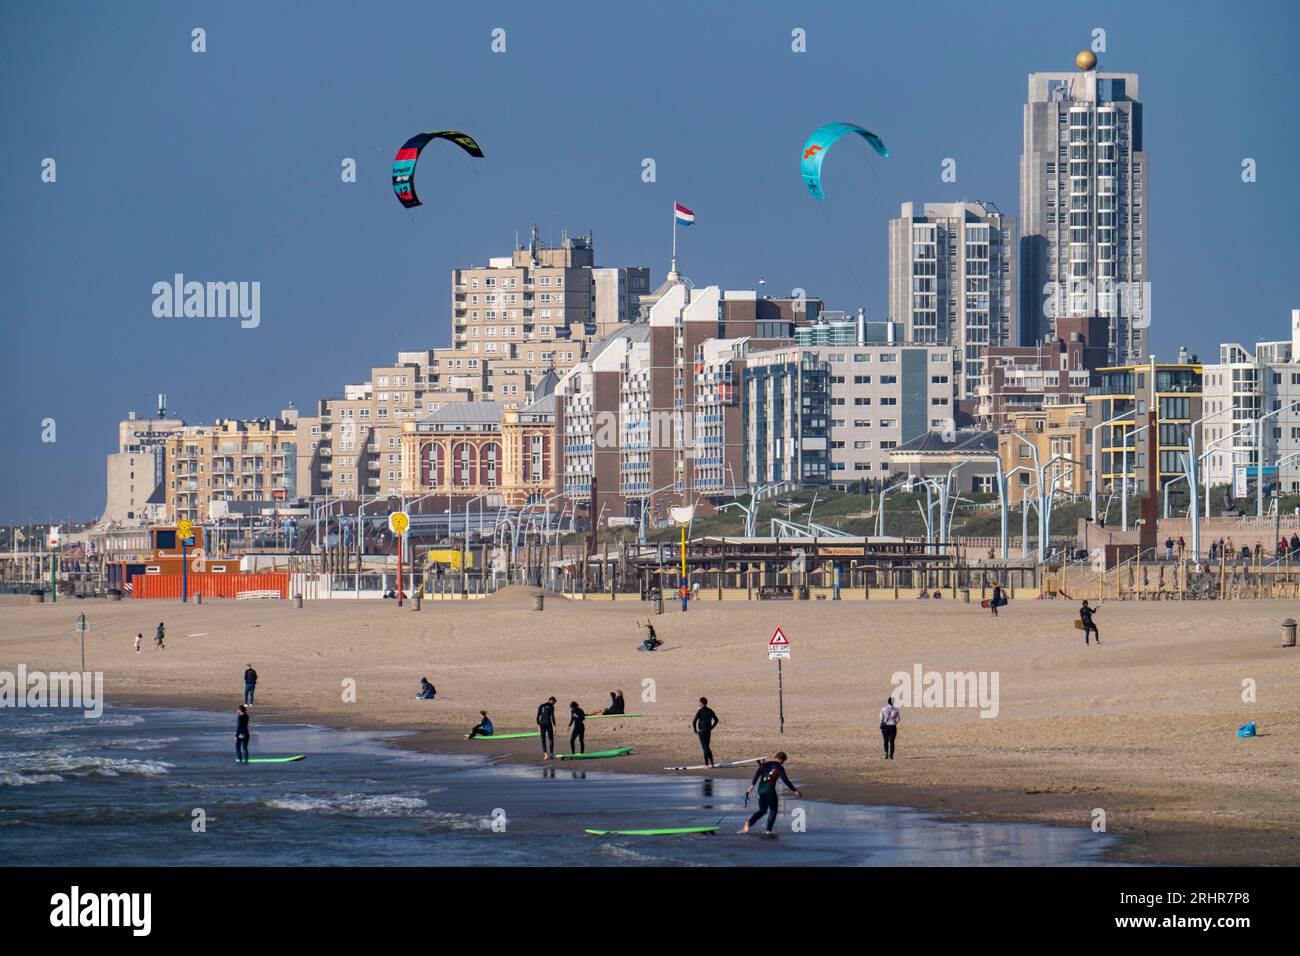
[{"x": 1142, "y": 727}]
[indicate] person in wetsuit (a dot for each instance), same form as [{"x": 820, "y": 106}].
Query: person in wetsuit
[
  {"x": 616, "y": 703},
  {"x": 578, "y": 725},
  {"x": 1089, "y": 627},
  {"x": 241, "y": 734},
  {"x": 765, "y": 778},
  {"x": 483, "y": 728},
  {"x": 651, "y": 639},
  {"x": 703, "y": 724},
  {"x": 427, "y": 690},
  {"x": 546, "y": 724}
]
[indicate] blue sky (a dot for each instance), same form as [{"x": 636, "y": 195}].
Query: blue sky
[{"x": 224, "y": 166}]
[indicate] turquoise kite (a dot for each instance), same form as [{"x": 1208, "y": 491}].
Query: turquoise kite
[{"x": 814, "y": 151}]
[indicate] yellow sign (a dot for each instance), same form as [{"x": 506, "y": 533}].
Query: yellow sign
[
  {"x": 398, "y": 522},
  {"x": 184, "y": 529},
  {"x": 450, "y": 557}
]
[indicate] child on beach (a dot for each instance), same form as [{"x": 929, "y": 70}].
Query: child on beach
[{"x": 138, "y": 639}]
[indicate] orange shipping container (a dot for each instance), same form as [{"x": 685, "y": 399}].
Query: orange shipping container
[{"x": 210, "y": 585}]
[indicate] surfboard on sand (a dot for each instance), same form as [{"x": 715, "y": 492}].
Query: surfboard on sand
[
  {"x": 718, "y": 766},
  {"x": 292, "y": 759},
  {"x": 600, "y": 716},
  {"x": 596, "y": 754},
  {"x": 522, "y": 733},
  {"x": 661, "y": 831}
]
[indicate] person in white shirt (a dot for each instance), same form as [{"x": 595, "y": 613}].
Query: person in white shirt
[{"x": 889, "y": 717}]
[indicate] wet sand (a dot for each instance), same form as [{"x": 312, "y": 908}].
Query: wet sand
[{"x": 1142, "y": 727}]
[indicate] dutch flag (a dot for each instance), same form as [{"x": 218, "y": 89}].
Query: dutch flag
[{"x": 682, "y": 215}]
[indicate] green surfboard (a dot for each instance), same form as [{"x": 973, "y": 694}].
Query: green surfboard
[
  {"x": 274, "y": 759},
  {"x": 595, "y": 754},
  {"x": 526, "y": 733},
  {"x": 664, "y": 831}
]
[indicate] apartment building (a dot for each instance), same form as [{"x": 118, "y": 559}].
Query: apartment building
[
  {"x": 1030, "y": 378},
  {"x": 952, "y": 281},
  {"x": 1055, "y": 430},
  {"x": 1129, "y": 393},
  {"x": 233, "y": 460},
  {"x": 832, "y": 415},
  {"x": 1242, "y": 386}
]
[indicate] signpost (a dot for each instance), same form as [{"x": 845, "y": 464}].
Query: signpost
[
  {"x": 778, "y": 649},
  {"x": 399, "y": 522},
  {"x": 54, "y": 563},
  {"x": 184, "y": 530},
  {"x": 81, "y": 630}
]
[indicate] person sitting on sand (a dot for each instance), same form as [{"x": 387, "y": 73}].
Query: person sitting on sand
[
  {"x": 483, "y": 728},
  {"x": 427, "y": 690},
  {"x": 616, "y": 704},
  {"x": 652, "y": 641}
]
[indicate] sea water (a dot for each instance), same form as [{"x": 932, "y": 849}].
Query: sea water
[{"x": 160, "y": 786}]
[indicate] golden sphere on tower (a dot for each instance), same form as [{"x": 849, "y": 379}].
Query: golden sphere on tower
[{"x": 1086, "y": 60}]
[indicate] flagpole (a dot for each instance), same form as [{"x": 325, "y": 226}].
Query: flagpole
[{"x": 674, "y": 269}]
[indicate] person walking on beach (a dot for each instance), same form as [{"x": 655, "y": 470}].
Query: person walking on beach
[
  {"x": 546, "y": 724},
  {"x": 158, "y": 637},
  {"x": 889, "y": 718},
  {"x": 250, "y": 684},
  {"x": 483, "y": 728},
  {"x": 997, "y": 600},
  {"x": 139, "y": 639},
  {"x": 578, "y": 731},
  {"x": 703, "y": 724},
  {"x": 765, "y": 778},
  {"x": 1089, "y": 626},
  {"x": 241, "y": 734}
]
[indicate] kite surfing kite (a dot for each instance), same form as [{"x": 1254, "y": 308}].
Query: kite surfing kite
[
  {"x": 404, "y": 161},
  {"x": 814, "y": 151}
]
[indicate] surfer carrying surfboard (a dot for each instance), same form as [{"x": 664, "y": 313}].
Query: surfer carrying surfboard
[
  {"x": 1089, "y": 627},
  {"x": 765, "y": 778}
]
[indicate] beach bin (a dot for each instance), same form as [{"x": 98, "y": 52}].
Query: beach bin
[
  {"x": 37, "y": 597},
  {"x": 659, "y": 602},
  {"x": 539, "y": 601},
  {"x": 1288, "y": 632},
  {"x": 198, "y": 597},
  {"x": 965, "y": 595},
  {"x": 415, "y": 602},
  {"x": 297, "y": 600}
]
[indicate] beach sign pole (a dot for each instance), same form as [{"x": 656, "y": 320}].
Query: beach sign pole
[
  {"x": 399, "y": 522},
  {"x": 183, "y": 531},
  {"x": 778, "y": 649}
]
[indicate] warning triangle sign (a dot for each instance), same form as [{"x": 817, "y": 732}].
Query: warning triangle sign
[{"x": 779, "y": 639}]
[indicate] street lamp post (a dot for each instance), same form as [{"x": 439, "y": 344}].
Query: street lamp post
[{"x": 1259, "y": 454}]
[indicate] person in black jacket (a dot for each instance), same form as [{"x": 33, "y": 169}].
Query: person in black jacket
[
  {"x": 578, "y": 731},
  {"x": 765, "y": 778},
  {"x": 546, "y": 724},
  {"x": 250, "y": 684},
  {"x": 1089, "y": 626},
  {"x": 241, "y": 734},
  {"x": 703, "y": 724},
  {"x": 616, "y": 704}
]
